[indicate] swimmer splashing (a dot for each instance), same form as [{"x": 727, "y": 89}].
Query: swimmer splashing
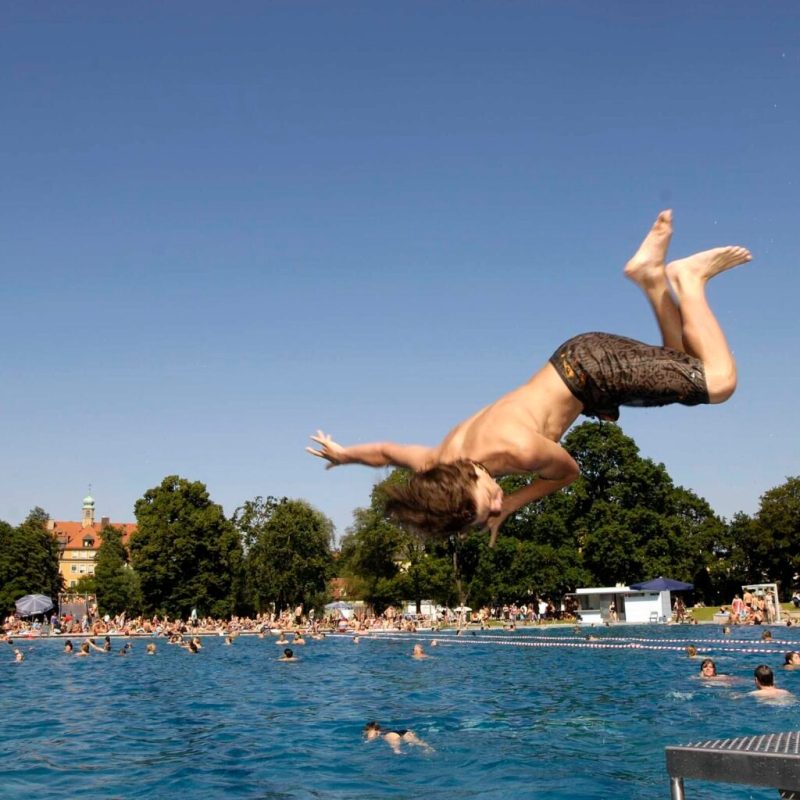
[{"x": 453, "y": 485}]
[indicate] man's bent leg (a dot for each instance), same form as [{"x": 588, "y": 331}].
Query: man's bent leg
[
  {"x": 646, "y": 270},
  {"x": 702, "y": 334}
]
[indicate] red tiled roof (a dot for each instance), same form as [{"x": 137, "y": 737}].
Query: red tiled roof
[{"x": 75, "y": 533}]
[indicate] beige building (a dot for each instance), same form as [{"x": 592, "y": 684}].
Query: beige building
[{"x": 78, "y": 543}]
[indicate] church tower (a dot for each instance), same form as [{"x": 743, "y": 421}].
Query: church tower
[{"x": 88, "y": 511}]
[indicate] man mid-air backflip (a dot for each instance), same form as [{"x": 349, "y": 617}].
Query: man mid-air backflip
[{"x": 453, "y": 487}]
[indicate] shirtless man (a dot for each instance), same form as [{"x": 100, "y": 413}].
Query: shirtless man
[
  {"x": 453, "y": 486},
  {"x": 765, "y": 683}
]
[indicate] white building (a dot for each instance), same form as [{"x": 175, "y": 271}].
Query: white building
[{"x": 600, "y": 604}]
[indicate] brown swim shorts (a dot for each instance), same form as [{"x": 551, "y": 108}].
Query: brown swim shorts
[{"x": 605, "y": 372}]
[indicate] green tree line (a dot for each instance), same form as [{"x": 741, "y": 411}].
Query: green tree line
[
  {"x": 624, "y": 519},
  {"x": 185, "y": 554}
]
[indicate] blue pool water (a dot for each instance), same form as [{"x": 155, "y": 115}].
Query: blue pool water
[{"x": 550, "y": 722}]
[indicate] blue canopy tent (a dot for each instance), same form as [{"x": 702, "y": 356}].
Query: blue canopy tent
[{"x": 662, "y": 584}]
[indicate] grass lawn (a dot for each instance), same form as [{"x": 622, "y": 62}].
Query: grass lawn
[{"x": 707, "y": 614}]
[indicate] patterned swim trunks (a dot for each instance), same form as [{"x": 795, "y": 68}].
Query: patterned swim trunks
[{"x": 605, "y": 372}]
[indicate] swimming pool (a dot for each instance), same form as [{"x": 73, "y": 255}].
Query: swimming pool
[{"x": 554, "y": 721}]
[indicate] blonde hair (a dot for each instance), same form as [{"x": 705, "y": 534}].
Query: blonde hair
[{"x": 439, "y": 501}]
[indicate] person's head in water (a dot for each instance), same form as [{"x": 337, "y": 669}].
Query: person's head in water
[
  {"x": 764, "y": 676},
  {"x": 446, "y": 499},
  {"x": 372, "y": 730},
  {"x": 708, "y": 669}
]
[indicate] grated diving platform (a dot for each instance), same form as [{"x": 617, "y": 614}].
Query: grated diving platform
[{"x": 772, "y": 759}]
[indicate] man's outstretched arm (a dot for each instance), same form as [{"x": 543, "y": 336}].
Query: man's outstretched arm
[
  {"x": 558, "y": 471},
  {"x": 374, "y": 454}
]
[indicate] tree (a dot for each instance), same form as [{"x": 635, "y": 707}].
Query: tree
[
  {"x": 186, "y": 553},
  {"x": 635, "y": 522},
  {"x": 387, "y": 565},
  {"x": 622, "y": 520},
  {"x": 289, "y": 561},
  {"x": 777, "y": 554},
  {"x": 738, "y": 559},
  {"x": 116, "y": 584},
  {"x": 86, "y": 585},
  {"x": 426, "y": 573},
  {"x": 251, "y": 517},
  {"x": 28, "y": 560},
  {"x": 370, "y": 555},
  {"x": 13, "y": 584}
]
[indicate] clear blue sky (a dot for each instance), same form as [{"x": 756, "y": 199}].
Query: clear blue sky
[{"x": 226, "y": 225}]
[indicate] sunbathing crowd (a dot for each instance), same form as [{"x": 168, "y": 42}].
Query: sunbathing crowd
[{"x": 751, "y": 609}]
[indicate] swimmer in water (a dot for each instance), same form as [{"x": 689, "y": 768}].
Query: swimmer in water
[
  {"x": 288, "y": 655},
  {"x": 68, "y": 648},
  {"x": 418, "y": 652},
  {"x": 453, "y": 484},
  {"x": 708, "y": 672},
  {"x": 791, "y": 660},
  {"x": 372, "y": 731},
  {"x": 151, "y": 648},
  {"x": 708, "y": 669},
  {"x": 765, "y": 684}
]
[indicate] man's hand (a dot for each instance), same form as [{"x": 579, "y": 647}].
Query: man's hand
[
  {"x": 333, "y": 453},
  {"x": 539, "y": 488},
  {"x": 493, "y": 525}
]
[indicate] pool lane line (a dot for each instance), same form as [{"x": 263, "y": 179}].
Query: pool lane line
[
  {"x": 562, "y": 642},
  {"x": 655, "y": 640},
  {"x": 725, "y": 641}
]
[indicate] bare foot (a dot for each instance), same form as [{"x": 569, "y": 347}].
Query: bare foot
[
  {"x": 647, "y": 264},
  {"x": 701, "y": 267}
]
